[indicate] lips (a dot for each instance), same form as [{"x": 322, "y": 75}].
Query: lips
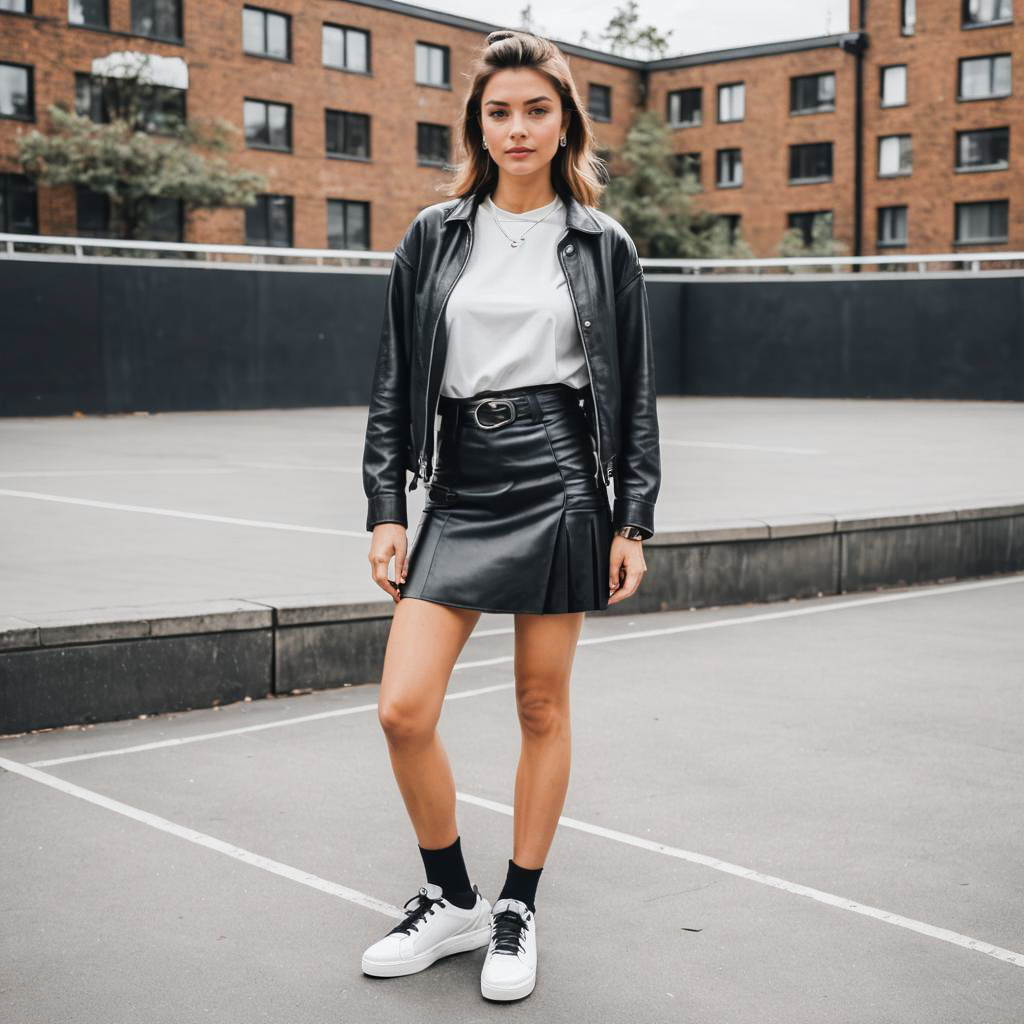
[{"x": 519, "y": 150}]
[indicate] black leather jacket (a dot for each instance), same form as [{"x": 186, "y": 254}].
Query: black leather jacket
[{"x": 606, "y": 283}]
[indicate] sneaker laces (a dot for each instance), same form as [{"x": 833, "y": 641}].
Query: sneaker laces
[
  {"x": 508, "y": 932},
  {"x": 416, "y": 916}
]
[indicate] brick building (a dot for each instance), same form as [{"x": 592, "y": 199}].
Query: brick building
[{"x": 899, "y": 133}]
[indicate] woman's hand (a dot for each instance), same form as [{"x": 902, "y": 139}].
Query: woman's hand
[
  {"x": 389, "y": 539},
  {"x": 626, "y": 560}
]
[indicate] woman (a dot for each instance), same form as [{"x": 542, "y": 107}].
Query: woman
[{"x": 517, "y": 312}]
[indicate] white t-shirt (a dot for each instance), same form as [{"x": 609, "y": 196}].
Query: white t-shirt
[{"x": 510, "y": 318}]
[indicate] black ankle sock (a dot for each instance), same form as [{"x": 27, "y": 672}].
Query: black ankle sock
[
  {"x": 446, "y": 868},
  {"x": 521, "y": 884}
]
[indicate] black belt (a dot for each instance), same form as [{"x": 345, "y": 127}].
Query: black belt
[{"x": 490, "y": 412}]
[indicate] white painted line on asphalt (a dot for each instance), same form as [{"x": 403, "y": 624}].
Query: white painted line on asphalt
[
  {"x": 202, "y": 839},
  {"x": 171, "y": 470},
  {"x": 371, "y": 903},
  {"x": 842, "y": 902},
  {"x": 742, "y": 620},
  {"x": 738, "y": 446},
  {"x": 204, "y": 517},
  {"x": 221, "y": 734}
]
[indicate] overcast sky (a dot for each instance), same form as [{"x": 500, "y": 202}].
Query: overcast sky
[{"x": 696, "y": 25}]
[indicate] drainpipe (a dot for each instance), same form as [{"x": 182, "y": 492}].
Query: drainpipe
[{"x": 857, "y": 43}]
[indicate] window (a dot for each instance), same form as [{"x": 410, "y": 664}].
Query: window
[
  {"x": 432, "y": 144},
  {"x": 268, "y": 125},
  {"x": 91, "y": 13},
  {"x": 163, "y": 218},
  {"x": 806, "y": 223},
  {"x": 347, "y": 49},
  {"x": 732, "y": 223},
  {"x": 266, "y": 33},
  {"x": 908, "y": 18},
  {"x": 269, "y": 221},
  {"x": 684, "y": 108},
  {"x": 809, "y": 94},
  {"x": 986, "y": 149},
  {"x": 158, "y": 19},
  {"x": 157, "y": 108},
  {"x": 892, "y": 225},
  {"x": 686, "y": 164},
  {"x": 16, "y": 95},
  {"x": 893, "y": 85},
  {"x": 894, "y": 155},
  {"x": 810, "y": 162},
  {"x": 348, "y": 224},
  {"x": 730, "y": 102},
  {"x": 984, "y": 77},
  {"x": 599, "y": 105},
  {"x": 729, "y": 164},
  {"x": 986, "y": 12},
  {"x": 348, "y": 134},
  {"x": 982, "y": 222},
  {"x": 18, "y": 207},
  {"x": 16, "y": 6},
  {"x": 432, "y": 65}
]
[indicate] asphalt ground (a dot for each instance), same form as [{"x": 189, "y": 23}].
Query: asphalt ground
[
  {"x": 100, "y": 512},
  {"x": 802, "y": 812}
]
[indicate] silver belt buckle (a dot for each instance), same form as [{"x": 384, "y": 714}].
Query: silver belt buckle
[{"x": 495, "y": 403}]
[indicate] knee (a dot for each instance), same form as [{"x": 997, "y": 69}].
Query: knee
[
  {"x": 403, "y": 721},
  {"x": 540, "y": 714}
]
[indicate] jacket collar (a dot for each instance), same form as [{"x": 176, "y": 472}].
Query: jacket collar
[{"x": 577, "y": 216}]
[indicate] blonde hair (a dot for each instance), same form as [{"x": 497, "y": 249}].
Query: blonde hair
[{"x": 576, "y": 168}]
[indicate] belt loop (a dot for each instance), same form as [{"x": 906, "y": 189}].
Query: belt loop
[{"x": 538, "y": 414}]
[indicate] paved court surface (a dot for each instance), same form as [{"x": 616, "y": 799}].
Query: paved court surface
[
  {"x": 105, "y": 511},
  {"x": 802, "y": 812}
]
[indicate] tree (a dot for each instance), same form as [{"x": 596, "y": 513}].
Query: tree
[
  {"x": 625, "y": 36},
  {"x": 132, "y": 166},
  {"x": 657, "y": 206},
  {"x": 792, "y": 243}
]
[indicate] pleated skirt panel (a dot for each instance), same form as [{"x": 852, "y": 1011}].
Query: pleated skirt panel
[{"x": 515, "y": 518}]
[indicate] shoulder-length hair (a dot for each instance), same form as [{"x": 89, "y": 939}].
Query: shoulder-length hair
[{"x": 576, "y": 168}]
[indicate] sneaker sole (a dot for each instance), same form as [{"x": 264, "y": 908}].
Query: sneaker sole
[
  {"x": 503, "y": 994},
  {"x": 461, "y": 943}
]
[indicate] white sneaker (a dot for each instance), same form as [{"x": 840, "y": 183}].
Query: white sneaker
[
  {"x": 434, "y": 928},
  {"x": 510, "y": 966}
]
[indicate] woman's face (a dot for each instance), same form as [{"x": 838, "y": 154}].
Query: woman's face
[{"x": 520, "y": 110}]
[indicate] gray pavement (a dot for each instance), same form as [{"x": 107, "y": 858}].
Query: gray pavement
[
  {"x": 129, "y": 510},
  {"x": 867, "y": 747}
]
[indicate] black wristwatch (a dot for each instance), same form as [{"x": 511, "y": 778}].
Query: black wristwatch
[{"x": 630, "y": 532}]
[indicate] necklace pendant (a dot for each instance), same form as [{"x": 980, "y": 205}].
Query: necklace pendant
[{"x": 513, "y": 243}]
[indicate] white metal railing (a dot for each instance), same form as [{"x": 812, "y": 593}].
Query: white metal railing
[{"x": 60, "y": 247}]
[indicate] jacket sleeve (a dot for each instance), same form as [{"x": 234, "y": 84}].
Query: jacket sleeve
[
  {"x": 637, "y": 472},
  {"x": 387, "y": 422}
]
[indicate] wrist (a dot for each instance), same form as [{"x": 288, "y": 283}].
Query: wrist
[{"x": 630, "y": 532}]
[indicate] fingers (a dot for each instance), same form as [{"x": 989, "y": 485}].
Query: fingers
[
  {"x": 379, "y": 559},
  {"x": 626, "y": 571}
]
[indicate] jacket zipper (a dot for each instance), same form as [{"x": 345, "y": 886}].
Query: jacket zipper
[
  {"x": 602, "y": 471},
  {"x": 422, "y": 466}
]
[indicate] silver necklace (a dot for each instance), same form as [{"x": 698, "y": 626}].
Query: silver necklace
[{"x": 516, "y": 242}]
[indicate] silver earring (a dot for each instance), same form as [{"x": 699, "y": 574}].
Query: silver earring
[
  {"x": 561, "y": 141},
  {"x": 485, "y": 143}
]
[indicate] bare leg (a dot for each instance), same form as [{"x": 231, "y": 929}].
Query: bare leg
[
  {"x": 423, "y": 646},
  {"x": 544, "y": 651}
]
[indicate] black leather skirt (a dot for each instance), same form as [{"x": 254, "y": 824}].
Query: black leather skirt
[{"x": 515, "y": 517}]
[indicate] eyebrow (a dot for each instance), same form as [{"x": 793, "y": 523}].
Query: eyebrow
[{"x": 502, "y": 103}]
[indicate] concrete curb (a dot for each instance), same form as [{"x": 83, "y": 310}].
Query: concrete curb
[{"x": 83, "y": 666}]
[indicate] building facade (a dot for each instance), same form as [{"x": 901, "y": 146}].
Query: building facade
[{"x": 902, "y": 134}]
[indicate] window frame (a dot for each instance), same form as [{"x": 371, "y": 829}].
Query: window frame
[
  {"x": 420, "y": 160},
  {"x": 180, "y": 21},
  {"x": 992, "y": 58},
  {"x": 793, "y": 89},
  {"x": 607, "y": 90},
  {"x": 263, "y": 201},
  {"x": 349, "y": 202},
  {"x": 900, "y": 243},
  {"x": 25, "y": 13},
  {"x": 345, "y": 30},
  {"x": 719, "y": 183},
  {"x": 680, "y": 158},
  {"x": 881, "y": 86},
  {"x": 969, "y": 26},
  {"x": 673, "y": 125},
  {"x": 808, "y": 236},
  {"x": 741, "y": 84},
  {"x": 975, "y": 168},
  {"x": 794, "y": 147},
  {"x": 991, "y": 240},
  {"x": 908, "y": 26},
  {"x": 446, "y": 51},
  {"x": 28, "y": 186},
  {"x": 266, "y": 146},
  {"x": 878, "y": 152},
  {"x": 334, "y": 154},
  {"x": 30, "y": 78},
  {"x": 263, "y": 55}
]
